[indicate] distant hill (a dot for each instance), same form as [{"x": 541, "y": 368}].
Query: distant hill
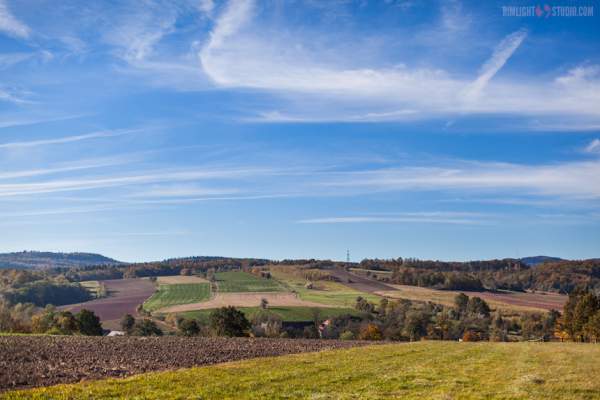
[
  {"x": 533, "y": 261},
  {"x": 37, "y": 259}
]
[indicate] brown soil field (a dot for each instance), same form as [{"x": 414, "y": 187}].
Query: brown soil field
[
  {"x": 541, "y": 300},
  {"x": 124, "y": 295},
  {"x": 358, "y": 282},
  {"x": 276, "y": 299},
  {"x": 503, "y": 300},
  {"x": 30, "y": 361},
  {"x": 180, "y": 279}
]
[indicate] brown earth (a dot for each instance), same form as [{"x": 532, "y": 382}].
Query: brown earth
[
  {"x": 30, "y": 361},
  {"x": 542, "y": 300},
  {"x": 249, "y": 299},
  {"x": 124, "y": 295},
  {"x": 358, "y": 282},
  {"x": 517, "y": 301}
]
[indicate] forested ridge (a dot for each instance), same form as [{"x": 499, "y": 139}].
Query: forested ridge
[
  {"x": 509, "y": 274},
  {"x": 39, "y": 259}
]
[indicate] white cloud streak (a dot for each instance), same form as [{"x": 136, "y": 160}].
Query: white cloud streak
[
  {"x": 68, "y": 139},
  {"x": 421, "y": 218},
  {"x": 10, "y": 25},
  {"x": 78, "y": 166},
  {"x": 593, "y": 147},
  {"x": 65, "y": 185},
  {"x": 580, "y": 180},
  {"x": 237, "y": 56},
  {"x": 502, "y": 53},
  {"x": 7, "y": 121}
]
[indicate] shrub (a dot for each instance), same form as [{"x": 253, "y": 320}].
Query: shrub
[
  {"x": 146, "y": 327},
  {"x": 127, "y": 323},
  {"x": 471, "y": 336},
  {"x": 188, "y": 327},
  {"x": 228, "y": 321},
  {"x": 89, "y": 323},
  {"x": 347, "y": 335},
  {"x": 370, "y": 332}
]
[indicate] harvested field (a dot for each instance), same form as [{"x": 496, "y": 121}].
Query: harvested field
[
  {"x": 124, "y": 295},
  {"x": 29, "y": 361},
  {"x": 515, "y": 301},
  {"x": 180, "y": 279},
  {"x": 358, "y": 282},
  {"x": 244, "y": 300},
  {"x": 544, "y": 301}
]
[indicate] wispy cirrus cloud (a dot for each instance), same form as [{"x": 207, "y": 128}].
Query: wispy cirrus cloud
[
  {"x": 238, "y": 55},
  {"x": 124, "y": 180},
  {"x": 134, "y": 31},
  {"x": 68, "y": 167},
  {"x": 9, "y": 121},
  {"x": 569, "y": 180},
  {"x": 577, "y": 180},
  {"x": 173, "y": 191},
  {"x": 68, "y": 139},
  {"x": 10, "y": 25},
  {"x": 439, "y": 217},
  {"x": 593, "y": 147}
]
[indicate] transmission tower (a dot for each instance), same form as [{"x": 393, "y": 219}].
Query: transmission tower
[{"x": 348, "y": 256}]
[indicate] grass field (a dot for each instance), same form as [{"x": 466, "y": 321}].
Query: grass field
[
  {"x": 422, "y": 370},
  {"x": 237, "y": 281},
  {"x": 287, "y": 314},
  {"x": 324, "y": 292},
  {"x": 174, "y": 294}
]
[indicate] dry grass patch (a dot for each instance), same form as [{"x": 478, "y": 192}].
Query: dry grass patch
[
  {"x": 180, "y": 279},
  {"x": 506, "y": 301}
]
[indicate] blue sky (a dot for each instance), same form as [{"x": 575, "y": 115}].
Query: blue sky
[{"x": 286, "y": 129}]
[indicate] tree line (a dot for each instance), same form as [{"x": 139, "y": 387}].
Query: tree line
[{"x": 509, "y": 274}]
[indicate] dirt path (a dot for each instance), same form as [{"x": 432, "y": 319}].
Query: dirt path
[{"x": 276, "y": 299}]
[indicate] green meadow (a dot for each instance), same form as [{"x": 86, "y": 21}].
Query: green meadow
[
  {"x": 238, "y": 282},
  {"x": 174, "y": 294}
]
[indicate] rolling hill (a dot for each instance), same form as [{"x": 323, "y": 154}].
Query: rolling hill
[
  {"x": 536, "y": 260},
  {"x": 38, "y": 259}
]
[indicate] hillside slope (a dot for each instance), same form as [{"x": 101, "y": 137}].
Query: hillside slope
[
  {"x": 38, "y": 259},
  {"x": 421, "y": 370}
]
